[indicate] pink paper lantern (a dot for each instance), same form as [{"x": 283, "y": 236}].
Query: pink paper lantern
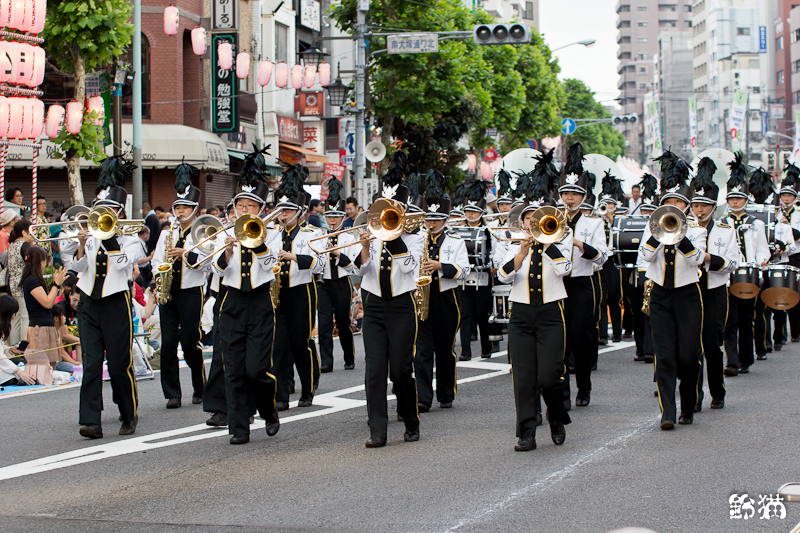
[
  {"x": 324, "y": 74},
  {"x": 74, "y": 117},
  {"x": 242, "y": 65},
  {"x": 27, "y": 16},
  {"x": 38, "y": 70},
  {"x": 23, "y": 63},
  {"x": 472, "y": 161},
  {"x": 55, "y": 120},
  {"x": 17, "y": 14},
  {"x": 171, "y": 19},
  {"x": 39, "y": 14},
  {"x": 225, "y": 56},
  {"x": 264, "y": 72},
  {"x": 97, "y": 105},
  {"x": 27, "y": 118},
  {"x": 199, "y": 41},
  {"x": 309, "y": 76},
  {"x": 38, "y": 117},
  {"x": 6, "y": 64},
  {"x": 5, "y": 12},
  {"x": 281, "y": 74},
  {"x": 297, "y": 77},
  {"x": 4, "y": 116},
  {"x": 14, "y": 118},
  {"x": 486, "y": 171}
]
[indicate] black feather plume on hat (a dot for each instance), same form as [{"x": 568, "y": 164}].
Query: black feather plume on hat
[
  {"x": 542, "y": 180},
  {"x": 114, "y": 172},
  {"x": 476, "y": 190},
  {"x": 761, "y": 185},
  {"x": 676, "y": 174},
  {"x": 574, "y": 163},
  {"x": 545, "y": 158},
  {"x": 398, "y": 169},
  {"x": 434, "y": 182},
  {"x": 591, "y": 180},
  {"x": 292, "y": 180},
  {"x": 614, "y": 186},
  {"x": 184, "y": 174},
  {"x": 666, "y": 160},
  {"x": 649, "y": 186},
  {"x": 704, "y": 178},
  {"x": 460, "y": 194},
  {"x": 738, "y": 171},
  {"x": 335, "y": 189},
  {"x": 414, "y": 183},
  {"x": 503, "y": 182},
  {"x": 792, "y": 178},
  {"x": 523, "y": 182}
]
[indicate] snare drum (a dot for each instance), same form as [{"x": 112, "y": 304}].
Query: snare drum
[
  {"x": 779, "y": 287},
  {"x": 478, "y": 246},
  {"x": 766, "y": 214},
  {"x": 626, "y": 236},
  {"x": 501, "y": 310},
  {"x": 744, "y": 281}
]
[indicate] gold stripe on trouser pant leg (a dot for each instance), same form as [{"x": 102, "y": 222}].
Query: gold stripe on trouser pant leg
[
  {"x": 453, "y": 349},
  {"x": 129, "y": 371}
]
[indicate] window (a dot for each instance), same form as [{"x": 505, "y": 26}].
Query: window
[
  {"x": 687, "y": 8},
  {"x": 528, "y": 11},
  {"x": 281, "y": 42},
  {"x": 642, "y": 56},
  {"x": 779, "y": 43},
  {"x": 642, "y": 39},
  {"x": 642, "y": 70},
  {"x": 687, "y": 23},
  {"x": 642, "y": 24},
  {"x": 795, "y": 36},
  {"x": 641, "y": 8},
  {"x": 755, "y": 90},
  {"x": 127, "y": 92},
  {"x": 796, "y": 66},
  {"x": 742, "y": 31},
  {"x": 643, "y": 86},
  {"x": 779, "y": 78}
]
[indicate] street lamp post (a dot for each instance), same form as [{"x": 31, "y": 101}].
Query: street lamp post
[{"x": 585, "y": 42}]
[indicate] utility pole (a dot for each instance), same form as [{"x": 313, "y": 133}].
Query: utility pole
[
  {"x": 137, "y": 109},
  {"x": 361, "y": 67}
]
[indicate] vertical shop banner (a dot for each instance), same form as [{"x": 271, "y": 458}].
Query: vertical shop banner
[
  {"x": 738, "y": 113},
  {"x": 314, "y": 139},
  {"x": 224, "y": 89},
  {"x": 332, "y": 170},
  {"x": 796, "y": 149},
  {"x": 693, "y": 124},
  {"x": 655, "y": 124}
]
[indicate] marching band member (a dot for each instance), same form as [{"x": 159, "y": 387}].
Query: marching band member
[
  {"x": 676, "y": 305},
  {"x": 335, "y": 290},
  {"x": 180, "y": 313},
  {"x": 788, "y": 196},
  {"x": 388, "y": 270},
  {"x": 720, "y": 260},
  {"x": 246, "y": 319},
  {"x": 104, "y": 313},
  {"x": 611, "y": 307},
  {"x": 447, "y": 263},
  {"x": 293, "y": 314},
  {"x": 642, "y": 332},
  {"x": 754, "y": 249},
  {"x": 590, "y": 250},
  {"x": 536, "y": 330}
]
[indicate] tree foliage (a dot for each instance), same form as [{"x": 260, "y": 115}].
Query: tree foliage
[{"x": 603, "y": 138}]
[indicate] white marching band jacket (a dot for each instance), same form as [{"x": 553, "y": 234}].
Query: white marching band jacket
[
  {"x": 755, "y": 238},
  {"x": 683, "y": 260},
  {"x": 554, "y": 266},
  {"x": 344, "y": 263},
  {"x": 190, "y": 278},
  {"x": 784, "y": 234},
  {"x": 399, "y": 258},
  {"x": 112, "y": 270},
  {"x": 591, "y": 232},
  {"x": 452, "y": 254},
  {"x": 724, "y": 251},
  {"x": 308, "y": 261},
  {"x": 257, "y": 268}
]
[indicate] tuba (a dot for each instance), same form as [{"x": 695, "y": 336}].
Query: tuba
[{"x": 423, "y": 282}]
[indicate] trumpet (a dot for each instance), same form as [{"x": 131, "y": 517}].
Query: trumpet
[
  {"x": 249, "y": 230},
  {"x": 548, "y": 225},
  {"x": 74, "y": 221},
  {"x": 492, "y": 216},
  {"x": 601, "y": 209},
  {"x": 668, "y": 224},
  {"x": 386, "y": 220}
]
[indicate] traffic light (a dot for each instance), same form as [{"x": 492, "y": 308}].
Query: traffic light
[
  {"x": 501, "y": 34},
  {"x": 771, "y": 160},
  {"x": 624, "y": 119}
]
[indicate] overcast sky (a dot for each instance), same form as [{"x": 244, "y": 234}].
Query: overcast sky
[{"x": 567, "y": 21}]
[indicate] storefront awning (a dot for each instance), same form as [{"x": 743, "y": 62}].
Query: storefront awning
[
  {"x": 274, "y": 169},
  {"x": 163, "y": 146},
  {"x": 310, "y": 155}
]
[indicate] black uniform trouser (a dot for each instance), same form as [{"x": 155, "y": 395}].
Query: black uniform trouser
[
  {"x": 390, "y": 332},
  {"x": 294, "y": 322},
  {"x": 794, "y": 312},
  {"x": 214, "y": 399},
  {"x": 180, "y": 322},
  {"x": 761, "y": 326},
  {"x": 676, "y": 316},
  {"x": 739, "y": 331},
  {"x": 315, "y": 364},
  {"x": 579, "y": 311},
  {"x": 335, "y": 298},
  {"x": 715, "y": 310},
  {"x": 597, "y": 312},
  {"x": 476, "y": 307},
  {"x": 437, "y": 335},
  {"x": 630, "y": 313},
  {"x": 612, "y": 300},
  {"x": 779, "y": 326},
  {"x": 106, "y": 330},
  {"x": 247, "y": 331},
  {"x": 634, "y": 301},
  {"x": 537, "y": 344}
]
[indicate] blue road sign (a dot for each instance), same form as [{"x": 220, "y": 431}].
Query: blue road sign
[
  {"x": 567, "y": 126},
  {"x": 762, "y": 39},
  {"x": 532, "y": 144},
  {"x": 763, "y": 124}
]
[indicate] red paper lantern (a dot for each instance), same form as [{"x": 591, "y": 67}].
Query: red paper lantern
[
  {"x": 74, "y": 117},
  {"x": 264, "y": 72},
  {"x": 242, "y": 65},
  {"x": 27, "y": 118},
  {"x": 39, "y": 14},
  {"x": 225, "y": 56},
  {"x": 199, "y": 41},
  {"x": 97, "y": 105},
  {"x": 4, "y": 116},
  {"x": 55, "y": 120},
  {"x": 324, "y": 74},
  {"x": 38, "y": 118},
  {"x": 297, "y": 77},
  {"x": 309, "y": 75},
  {"x": 171, "y": 19},
  {"x": 281, "y": 74},
  {"x": 15, "y": 118}
]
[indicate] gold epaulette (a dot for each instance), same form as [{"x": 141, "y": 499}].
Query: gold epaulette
[
  {"x": 453, "y": 235},
  {"x": 722, "y": 224}
]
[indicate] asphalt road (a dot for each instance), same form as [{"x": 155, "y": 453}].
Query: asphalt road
[{"x": 616, "y": 468}]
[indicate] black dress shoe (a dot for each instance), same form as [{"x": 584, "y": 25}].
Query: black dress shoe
[
  {"x": 558, "y": 433},
  {"x": 768, "y": 348},
  {"x": 196, "y": 400},
  {"x": 648, "y": 358},
  {"x": 92, "y": 431},
  {"x": 129, "y": 428},
  {"x": 240, "y": 439},
  {"x": 486, "y": 356},
  {"x": 731, "y": 371},
  {"x": 445, "y": 405},
  {"x": 744, "y": 369},
  {"x": 273, "y": 424},
  {"x": 217, "y": 420},
  {"x": 638, "y": 357},
  {"x": 602, "y": 342},
  {"x": 567, "y": 404},
  {"x": 173, "y": 403},
  {"x": 761, "y": 357},
  {"x": 411, "y": 435},
  {"x": 539, "y": 419},
  {"x": 349, "y": 366},
  {"x": 375, "y": 442},
  {"x": 717, "y": 404},
  {"x": 423, "y": 408},
  {"x": 281, "y": 406},
  {"x": 305, "y": 402},
  {"x": 526, "y": 443},
  {"x": 777, "y": 346},
  {"x": 685, "y": 419},
  {"x": 795, "y": 339},
  {"x": 667, "y": 424},
  {"x": 616, "y": 338},
  {"x": 463, "y": 357},
  {"x": 582, "y": 401},
  {"x": 627, "y": 335},
  {"x": 325, "y": 369}
]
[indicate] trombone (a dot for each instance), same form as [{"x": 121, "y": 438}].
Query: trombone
[
  {"x": 386, "y": 220},
  {"x": 548, "y": 225},
  {"x": 249, "y": 230},
  {"x": 668, "y": 224},
  {"x": 101, "y": 222},
  {"x": 74, "y": 221}
]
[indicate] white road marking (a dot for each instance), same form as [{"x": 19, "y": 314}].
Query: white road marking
[{"x": 333, "y": 402}]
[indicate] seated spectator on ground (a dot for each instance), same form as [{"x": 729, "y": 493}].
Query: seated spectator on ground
[
  {"x": 10, "y": 374},
  {"x": 66, "y": 340}
]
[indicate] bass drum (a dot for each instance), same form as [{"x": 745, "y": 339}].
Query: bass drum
[
  {"x": 626, "y": 236},
  {"x": 779, "y": 288},
  {"x": 744, "y": 281},
  {"x": 501, "y": 307}
]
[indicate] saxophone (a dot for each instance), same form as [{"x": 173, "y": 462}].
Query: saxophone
[
  {"x": 275, "y": 288},
  {"x": 648, "y": 287},
  {"x": 164, "y": 271},
  {"x": 423, "y": 294}
]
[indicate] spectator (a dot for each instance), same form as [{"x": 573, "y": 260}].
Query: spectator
[
  {"x": 40, "y": 217},
  {"x": 21, "y": 241},
  {"x": 69, "y": 343},
  {"x": 14, "y": 201},
  {"x": 314, "y": 213},
  {"x": 230, "y": 213},
  {"x": 9, "y": 373},
  {"x": 66, "y": 289},
  {"x": 151, "y": 221},
  {"x": 39, "y": 301},
  {"x": 144, "y": 256},
  {"x": 7, "y": 220},
  {"x": 635, "y": 200},
  {"x": 351, "y": 208},
  {"x": 54, "y": 231},
  {"x": 136, "y": 291}
]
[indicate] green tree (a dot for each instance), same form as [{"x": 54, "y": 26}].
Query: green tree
[
  {"x": 82, "y": 36},
  {"x": 602, "y": 138}
]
